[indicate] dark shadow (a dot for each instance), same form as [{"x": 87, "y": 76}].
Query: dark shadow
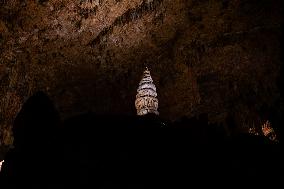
[
  {"x": 33, "y": 158},
  {"x": 118, "y": 151}
]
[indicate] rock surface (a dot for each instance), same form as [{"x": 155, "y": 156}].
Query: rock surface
[{"x": 206, "y": 56}]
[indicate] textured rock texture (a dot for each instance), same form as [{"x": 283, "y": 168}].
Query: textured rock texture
[{"x": 218, "y": 57}]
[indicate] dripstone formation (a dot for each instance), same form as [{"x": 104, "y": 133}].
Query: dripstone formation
[{"x": 146, "y": 98}]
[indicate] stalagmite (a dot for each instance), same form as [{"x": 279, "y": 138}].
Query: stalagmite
[
  {"x": 146, "y": 98},
  {"x": 268, "y": 131},
  {"x": 1, "y": 163}
]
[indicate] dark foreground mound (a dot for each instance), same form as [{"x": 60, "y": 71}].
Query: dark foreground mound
[{"x": 130, "y": 152}]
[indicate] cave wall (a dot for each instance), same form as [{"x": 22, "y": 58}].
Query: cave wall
[{"x": 206, "y": 56}]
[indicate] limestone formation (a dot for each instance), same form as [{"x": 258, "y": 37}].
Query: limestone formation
[
  {"x": 146, "y": 98},
  {"x": 268, "y": 131}
]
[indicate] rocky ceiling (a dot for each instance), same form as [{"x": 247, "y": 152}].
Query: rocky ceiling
[{"x": 205, "y": 56}]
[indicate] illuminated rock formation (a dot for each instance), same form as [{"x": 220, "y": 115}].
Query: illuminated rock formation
[
  {"x": 268, "y": 131},
  {"x": 146, "y": 98},
  {"x": 1, "y": 162},
  {"x": 253, "y": 131}
]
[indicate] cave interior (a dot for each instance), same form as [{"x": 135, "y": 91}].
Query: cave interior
[{"x": 69, "y": 74}]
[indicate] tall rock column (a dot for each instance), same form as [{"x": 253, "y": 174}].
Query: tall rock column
[{"x": 146, "y": 98}]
